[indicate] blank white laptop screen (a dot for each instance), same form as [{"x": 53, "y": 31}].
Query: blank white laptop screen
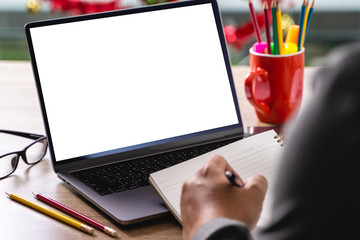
[{"x": 121, "y": 81}]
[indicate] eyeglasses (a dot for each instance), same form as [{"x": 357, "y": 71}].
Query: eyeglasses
[{"x": 31, "y": 154}]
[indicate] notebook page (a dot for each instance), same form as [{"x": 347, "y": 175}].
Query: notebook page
[{"x": 258, "y": 154}]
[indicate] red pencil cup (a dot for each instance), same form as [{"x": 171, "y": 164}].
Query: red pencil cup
[{"x": 274, "y": 85}]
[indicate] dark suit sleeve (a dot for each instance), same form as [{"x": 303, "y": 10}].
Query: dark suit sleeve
[
  {"x": 222, "y": 229},
  {"x": 317, "y": 190}
]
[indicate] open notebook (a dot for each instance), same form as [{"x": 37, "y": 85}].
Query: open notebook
[{"x": 257, "y": 154}]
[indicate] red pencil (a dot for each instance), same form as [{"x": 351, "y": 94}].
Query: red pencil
[
  {"x": 254, "y": 21},
  {"x": 76, "y": 214},
  {"x": 267, "y": 26}
]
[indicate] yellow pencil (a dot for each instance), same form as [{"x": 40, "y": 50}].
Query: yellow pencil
[
  {"x": 52, "y": 213},
  {"x": 279, "y": 30},
  {"x": 306, "y": 15}
]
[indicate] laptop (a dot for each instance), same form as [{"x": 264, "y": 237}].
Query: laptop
[{"x": 129, "y": 92}]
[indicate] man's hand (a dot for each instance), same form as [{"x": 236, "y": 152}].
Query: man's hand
[{"x": 209, "y": 194}]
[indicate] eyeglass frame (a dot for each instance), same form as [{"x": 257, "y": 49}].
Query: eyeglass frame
[{"x": 21, "y": 153}]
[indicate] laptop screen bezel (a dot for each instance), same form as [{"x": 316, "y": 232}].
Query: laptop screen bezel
[{"x": 154, "y": 147}]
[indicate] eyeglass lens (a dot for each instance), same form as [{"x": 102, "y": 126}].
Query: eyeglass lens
[
  {"x": 36, "y": 151},
  {"x": 33, "y": 154},
  {"x": 8, "y": 164}
]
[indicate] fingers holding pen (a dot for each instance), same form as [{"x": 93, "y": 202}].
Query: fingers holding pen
[
  {"x": 222, "y": 198},
  {"x": 214, "y": 173},
  {"x": 216, "y": 166}
]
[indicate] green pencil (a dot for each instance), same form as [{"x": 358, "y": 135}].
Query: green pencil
[{"x": 273, "y": 13}]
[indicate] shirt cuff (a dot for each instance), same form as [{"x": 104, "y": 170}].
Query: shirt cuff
[{"x": 222, "y": 228}]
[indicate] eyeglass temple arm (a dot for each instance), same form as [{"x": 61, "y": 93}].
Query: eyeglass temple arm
[{"x": 23, "y": 134}]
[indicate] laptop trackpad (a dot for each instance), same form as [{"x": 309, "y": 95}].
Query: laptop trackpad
[{"x": 131, "y": 206}]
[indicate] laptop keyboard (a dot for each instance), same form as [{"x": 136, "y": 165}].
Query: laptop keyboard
[{"x": 122, "y": 176}]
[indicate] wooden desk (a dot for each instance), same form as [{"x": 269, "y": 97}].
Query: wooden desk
[{"x": 19, "y": 110}]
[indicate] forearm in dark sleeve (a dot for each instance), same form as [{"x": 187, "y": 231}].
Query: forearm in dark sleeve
[{"x": 222, "y": 229}]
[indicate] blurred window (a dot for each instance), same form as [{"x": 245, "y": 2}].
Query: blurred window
[{"x": 333, "y": 23}]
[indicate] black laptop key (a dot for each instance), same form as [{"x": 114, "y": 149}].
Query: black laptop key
[{"x": 128, "y": 175}]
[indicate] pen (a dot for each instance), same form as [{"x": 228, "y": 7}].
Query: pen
[
  {"x": 51, "y": 213},
  {"x": 232, "y": 178},
  {"x": 75, "y": 214}
]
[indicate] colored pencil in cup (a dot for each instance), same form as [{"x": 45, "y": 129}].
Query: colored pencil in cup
[
  {"x": 309, "y": 18},
  {"x": 254, "y": 21},
  {"x": 273, "y": 13},
  {"x": 306, "y": 15},
  {"x": 267, "y": 27},
  {"x": 52, "y": 213},
  {"x": 301, "y": 23},
  {"x": 279, "y": 30},
  {"x": 76, "y": 214}
]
